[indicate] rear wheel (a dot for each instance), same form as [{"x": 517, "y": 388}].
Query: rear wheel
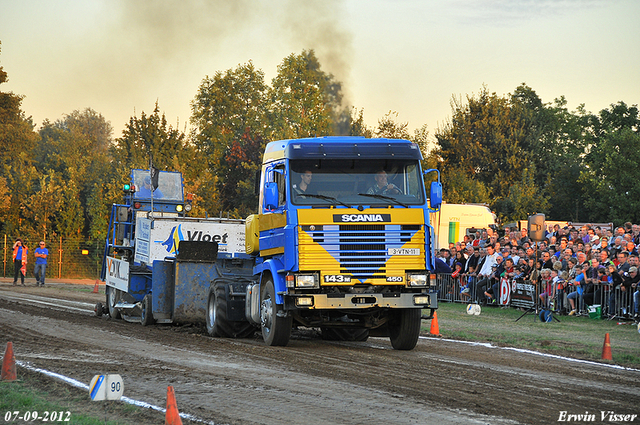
[
  {"x": 404, "y": 328},
  {"x": 146, "y": 317},
  {"x": 217, "y": 323},
  {"x": 276, "y": 330},
  {"x": 98, "y": 309},
  {"x": 113, "y": 297},
  {"x": 345, "y": 334}
]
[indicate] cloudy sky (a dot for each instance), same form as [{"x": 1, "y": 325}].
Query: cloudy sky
[{"x": 119, "y": 57}]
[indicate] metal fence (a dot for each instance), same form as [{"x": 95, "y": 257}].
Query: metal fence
[
  {"x": 68, "y": 258},
  {"x": 614, "y": 303}
]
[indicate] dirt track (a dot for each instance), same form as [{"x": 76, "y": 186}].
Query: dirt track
[{"x": 310, "y": 380}]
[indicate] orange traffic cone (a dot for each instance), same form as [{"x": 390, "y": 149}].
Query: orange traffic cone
[
  {"x": 8, "y": 365},
  {"x": 606, "y": 348},
  {"x": 173, "y": 416},
  {"x": 95, "y": 288},
  {"x": 435, "y": 329}
]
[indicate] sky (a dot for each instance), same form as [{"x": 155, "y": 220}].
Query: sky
[{"x": 411, "y": 57}]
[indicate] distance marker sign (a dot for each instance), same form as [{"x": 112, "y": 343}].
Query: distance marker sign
[{"x": 106, "y": 387}]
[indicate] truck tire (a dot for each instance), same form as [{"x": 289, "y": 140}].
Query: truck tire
[
  {"x": 344, "y": 334},
  {"x": 146, "y": 317},
  {"x": 276, "y": 330},
  {"x": 404, "y": 328},
  {"x": 112, "y": 299},
  {"x": 216, "y": 320}
]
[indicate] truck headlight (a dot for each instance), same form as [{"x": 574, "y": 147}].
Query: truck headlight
[
  {"x": 417, "y": 280},
  {"x": 306, "y": 281}
]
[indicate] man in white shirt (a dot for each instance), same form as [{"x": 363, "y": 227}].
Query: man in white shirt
[{"x": 485, "y": 273}]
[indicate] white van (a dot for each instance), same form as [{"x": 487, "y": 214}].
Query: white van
[{"x": 454, "y": 221}]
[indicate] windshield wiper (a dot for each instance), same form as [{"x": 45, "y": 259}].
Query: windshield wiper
[
  {"x": 388, "y": 198},
  {"x": 326, "y": 198}
]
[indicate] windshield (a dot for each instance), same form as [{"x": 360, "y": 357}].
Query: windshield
[
  {"x": 169, "y": 186},
  {"x": 356, "y": 182}
]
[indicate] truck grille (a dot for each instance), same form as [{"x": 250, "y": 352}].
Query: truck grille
[{"x": 361, "y": 250}]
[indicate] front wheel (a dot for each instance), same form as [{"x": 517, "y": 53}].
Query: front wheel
[
  {"x": 404, "y": 328},
  {"x": 276, "y": 330},
  {"x": 146, "y": 317}
]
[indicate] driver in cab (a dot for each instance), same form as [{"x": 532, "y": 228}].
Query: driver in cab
[{"x": 382, "y": 186}]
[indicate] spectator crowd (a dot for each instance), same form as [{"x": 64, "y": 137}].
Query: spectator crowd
[{"x": 572, "y": 268}]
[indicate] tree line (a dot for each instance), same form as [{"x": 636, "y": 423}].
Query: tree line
[{"x": 513, "y": 152}]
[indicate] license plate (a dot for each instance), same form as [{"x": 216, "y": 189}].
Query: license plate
[{"x": 404, "y": 251}]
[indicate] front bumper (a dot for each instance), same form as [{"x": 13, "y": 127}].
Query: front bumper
[{"x": 361, "y": 301}]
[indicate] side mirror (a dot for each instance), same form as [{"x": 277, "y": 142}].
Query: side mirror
[
  {"x": 435, "y": 196},
  {"x": 271, "y": 196},
  {"x": 435, "y": 193}
]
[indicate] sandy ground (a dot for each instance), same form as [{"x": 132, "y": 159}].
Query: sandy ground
[{"x": 242, "y": 381}]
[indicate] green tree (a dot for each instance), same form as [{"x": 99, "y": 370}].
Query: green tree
[
  {"x": 230, "y": 120},
  {"x": 514, "y": 152},
  {"x": 357, "y": 126},
  {"x": 526, "y": 198},
  {"x": 18, "y": 139},
  {"x": 610, "y": 179},
  {"x": 388, "y": 127},
  {"x": 151, "y": 138},
  {"x": 304, "y": 99},
  {"x": 73, "y": 157},
  {"x": 45, "y": 203},
  {"x": 554, "y": 138}
]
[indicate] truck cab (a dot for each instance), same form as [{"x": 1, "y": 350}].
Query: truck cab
[{"x": 342, "y": 240}]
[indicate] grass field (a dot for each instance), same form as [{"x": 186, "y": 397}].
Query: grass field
[
  {"x": 577, "y": 337},
  {"x": 37, "y": 395}
]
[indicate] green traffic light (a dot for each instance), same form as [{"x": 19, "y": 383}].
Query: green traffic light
[{"x": 127, "y": 187}]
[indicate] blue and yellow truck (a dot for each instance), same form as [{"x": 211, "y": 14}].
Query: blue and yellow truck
[{"x": 341, "y": 242}]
